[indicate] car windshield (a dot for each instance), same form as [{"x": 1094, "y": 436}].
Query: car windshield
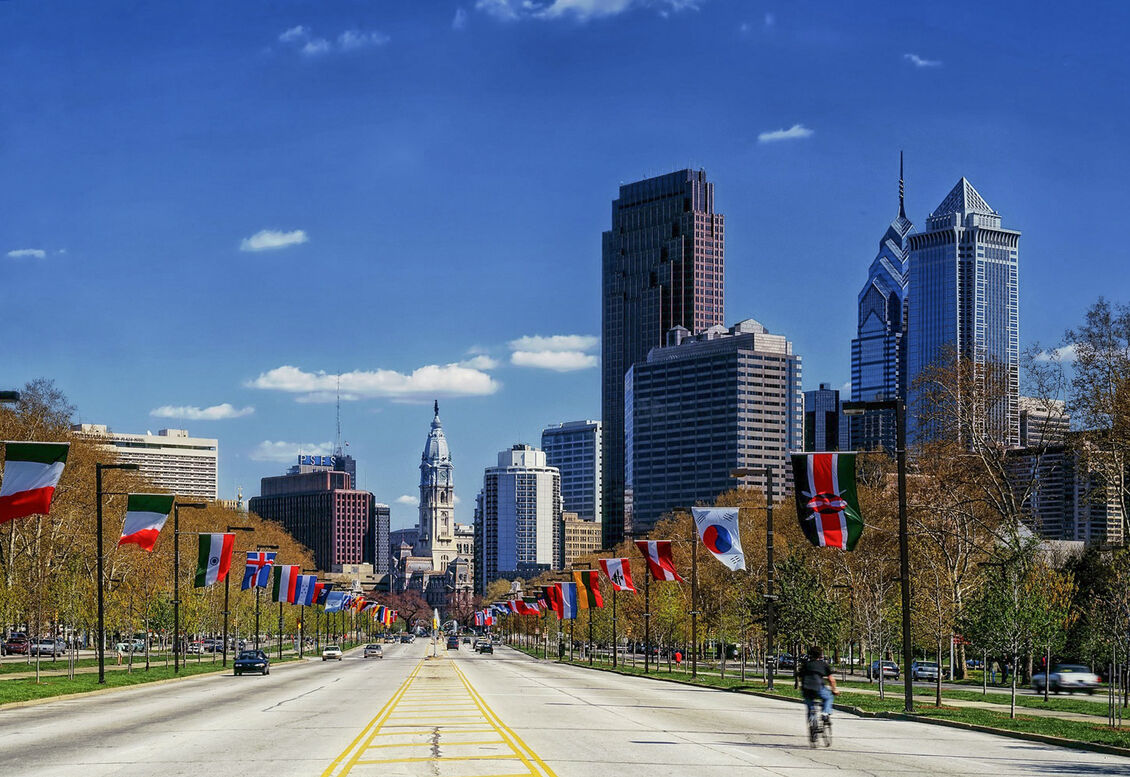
[
  {"x": 372, "y": 647},
  {"x": 927, "y": 665},
  {"x": 332, "y": 647},
  {"x": 249, "y": 654}
]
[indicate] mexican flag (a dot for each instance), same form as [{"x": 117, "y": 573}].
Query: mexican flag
[
  {"x": 214, "y": 561},
  {"x": 826, "y": 502},
  {"x": 145, "y": 516},
  {"x": 286, "y": 581},
  {"x": 31, "y": 472}
]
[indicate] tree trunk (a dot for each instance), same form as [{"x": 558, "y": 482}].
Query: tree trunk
[
  {"x": 1012, "y": 678},
  {"x": 1047, "y": 669},
  {"x": 938, "y": 682}
]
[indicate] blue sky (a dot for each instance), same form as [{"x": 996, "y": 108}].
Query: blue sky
[{"x": 211, "y": 209}]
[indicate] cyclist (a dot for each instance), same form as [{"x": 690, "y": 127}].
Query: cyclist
[{"x": 817, "y": 684}]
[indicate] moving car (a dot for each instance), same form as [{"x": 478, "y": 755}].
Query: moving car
[
  {"x": 1067, "y": 677},
  {"x": 407, "y": 638},
  {"x": 251, "y": 661},
  {"x": 331, "y": 651},
  {"x": 453, "y": 643},
  {"x": 486, "y": 647},
  {"x": 374, "y": 651},
  {"x": 924, "y": 670},
  {"x": 466, "y": 640},
  {"x": 890, "y": 669}
]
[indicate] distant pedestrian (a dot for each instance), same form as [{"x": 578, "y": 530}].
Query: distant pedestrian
[{"x": 994, "y": 667}]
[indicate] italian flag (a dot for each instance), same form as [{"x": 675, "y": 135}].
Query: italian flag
[
  {"x": 31, "y": 472},
  {"x": 214, "y": 561},
  {"x": 826, "y": 501},
  {"x": 286, "y": 581},
  {"x": 145, "y": 516}
]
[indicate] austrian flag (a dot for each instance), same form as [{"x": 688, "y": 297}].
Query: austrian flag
[
  {"x": 826, "y": 501},
  {"x": 31, "y": 472}
]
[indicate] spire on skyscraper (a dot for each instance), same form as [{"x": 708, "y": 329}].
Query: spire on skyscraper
[{"x": 902, "y": 207}]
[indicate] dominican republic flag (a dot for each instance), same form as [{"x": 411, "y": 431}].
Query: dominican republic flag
[
  {"x": 619, "y": 573},
  {"x": 335, "y": 601},
  {"x": 286, "y": 578},
  {"x": 304, "y": 589},
  {"x": 826, "y": 501},
  {"x": 718, "y": 530},
  {"x": 257, "y": 573},
  {"x": 214, "y": 559},
  {"x": 660, "y": 559},
  {"x": 145, "y": 516},
  {"x": 31, "y": 472},
  {"x": 568, "y": 597},
  {"x": 588, "y": 589}
]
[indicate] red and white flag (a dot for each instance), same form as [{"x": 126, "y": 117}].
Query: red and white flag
[
  {"x": 31, "y": 472},
  {"x": 660, "y": 559},
  {"x": 619, "y": 573}
]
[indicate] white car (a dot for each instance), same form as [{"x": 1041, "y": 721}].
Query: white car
[
  {"x": 374, "y": 651},
  {"x": 331, "y": 652},
  {"x": 1067, "y": 677}
]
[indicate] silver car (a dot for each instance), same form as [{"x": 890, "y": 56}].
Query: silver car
[
  {"x": 924, "y": 670},
  {"x": 374, "y": 651},
  {"x": 1067, "y": 677}
]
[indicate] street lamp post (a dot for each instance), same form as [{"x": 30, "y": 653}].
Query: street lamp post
[
  {"x": 899, "y": 408},
  {"x": 770, "y": 597},
  {"x": 98, "y": 468},
  {"x": 851, "y": 625},
  {"x": 694, "y": 594},
  {"x": 257, "y": 589},
  {"x": 227, "y": 594},
  {"x": 176, "y": 577},
  {"x": 302, "y": 620}
]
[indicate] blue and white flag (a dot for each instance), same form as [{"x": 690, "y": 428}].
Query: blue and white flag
[
  {"x": 336, "y": 601},
  {"x": 257, "y": 573},
  {"x": 304, "y": 589},
  {"x": 718, "y": 530}
]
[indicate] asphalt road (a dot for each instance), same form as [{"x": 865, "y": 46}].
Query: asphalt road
[{"x": 466, "y": 715}]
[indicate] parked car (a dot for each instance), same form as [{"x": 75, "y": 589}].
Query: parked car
[
  {"x": 786, "y": 661},
  {"x": 890, "y": 669},
  {"x": 1067, "y": 677},
  {"x": 486, "y": 647},
  {"x": 374, "y": 651},
  {"x": 331, "y": 652},
  {"x": 453, "y": 643},
  {"x": 194, "y": 647},
  {"x": 48, "y": 647},
  {"x": 924, "y": 670},
  {"x": 975, "y": 663},
  {"x": 252, "y": 661},
  {"x": 17, "y": 644}
]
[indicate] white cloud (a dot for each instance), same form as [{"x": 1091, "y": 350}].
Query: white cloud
[
  {"x": 354, "y": 39},
  {"x": 480, "y": 362},
  {"x": 795, "y": 132},
  {"x": 27, "y": 253},
  {"x": 270, "y": 239},
  {"x": 460, "y": 20},
  {"x": 192, "y": 413},
  {"x": 288, "y": 451},
  {"x": 918, "y": 61},
  {"x": 433, "y": 380},
  {"x": 294, "y": 34},
  {"x": 554, "y": 343},
  {"x": 405, "y": 499},
  {"x": 1065, "y": 353},
  {"x": 315, "y": 47},
  {"x": 559, "y": 361},
  {"x": 581, "y": 10},
  {"x": 846, "y": 387},
  {"x": 770, "y": 19}
]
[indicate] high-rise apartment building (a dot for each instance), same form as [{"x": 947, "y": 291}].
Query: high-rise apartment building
[
  {"x": 878, "y": 352},
  {"x": 520, "y": 516},
  {"x": 323, "y": 511},
  {"x": 663, "y": 262},
  {"x": 963, "y": 294},
  {"x": 1043, "y": 422},
  {"x": 378, "y": 537},
  {"x": 703, "y": 406},
  {"x": 574, "y": 448},
  {"x": 579, "y": 538},
  {"x": 171, "y": 460}
]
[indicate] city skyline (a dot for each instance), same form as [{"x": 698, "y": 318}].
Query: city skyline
[{"x": 245, "y": 225}]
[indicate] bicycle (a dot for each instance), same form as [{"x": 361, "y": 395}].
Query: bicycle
[{"x": 819, "y": 727}]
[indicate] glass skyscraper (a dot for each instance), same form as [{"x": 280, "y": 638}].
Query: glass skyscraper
[
  {"x": 878, "y": 353},
  {"x": 662, "y": 268},
  {"x": 962, "y": 292}
]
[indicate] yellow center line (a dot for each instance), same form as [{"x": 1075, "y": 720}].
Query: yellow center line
[{"x": 445, "y": 744}]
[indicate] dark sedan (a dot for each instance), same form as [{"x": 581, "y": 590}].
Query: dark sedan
[
  {"x": 252, "y": 661},
  {"x": 486, "y": 647}
]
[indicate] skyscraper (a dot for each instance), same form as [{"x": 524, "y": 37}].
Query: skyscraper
[
  {"x": 520, "y": 517},
  {"x": 171, "y": 460},
  {"x": 704, "y": 406},
  {"x": 822, "y": 419},
  {"x": 878, "y": 352},
  {"x": 663, "y": 262},
  {"x": 437, "y": 499},
  {"x": 963, "y": 293},
  {"x": 574, "y": 448}
]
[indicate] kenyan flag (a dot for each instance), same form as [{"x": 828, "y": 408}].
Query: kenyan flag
[{"x": 826, "y": 502}]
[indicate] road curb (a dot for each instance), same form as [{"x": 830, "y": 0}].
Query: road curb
[
  {"x": 1046, "y": 739},
  {"x": 12, "y": 705}
]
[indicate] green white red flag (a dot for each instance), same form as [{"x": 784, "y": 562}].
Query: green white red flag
[
  {"x": 31, "y": 472},
  {"x": 285, "y": 583},
  {"x": 145, "y": 517},
  {"x": 214, "y": 559},
  {"x": 826, "y": 501}
]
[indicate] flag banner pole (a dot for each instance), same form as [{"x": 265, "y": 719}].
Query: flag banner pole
[
  {"x": 646, "y": 622},
  {"x": 615, "y": 642}
]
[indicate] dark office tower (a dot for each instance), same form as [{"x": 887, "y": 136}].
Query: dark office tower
[{"x": 663, "y": 267}]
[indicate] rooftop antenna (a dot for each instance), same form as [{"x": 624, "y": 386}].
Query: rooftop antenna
[
  {"x": 338, "y": 450},
  {"x": 902, "y": 209}
]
